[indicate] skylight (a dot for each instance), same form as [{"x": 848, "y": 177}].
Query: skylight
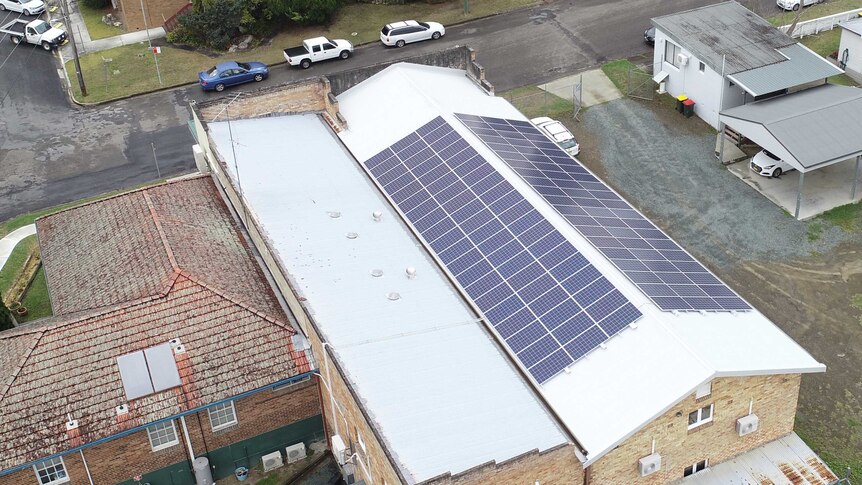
[{"x": 148, "y": 371}]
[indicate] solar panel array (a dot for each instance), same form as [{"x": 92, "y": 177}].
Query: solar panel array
[
  {"x": 667, "y": 274},
  {"x": 549, "y": 304}
]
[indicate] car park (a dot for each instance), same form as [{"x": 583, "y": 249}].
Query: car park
[
  {"x": 317, "y": 49},
  {"x": 400, "y": 33},
  {"x": 795, "y": 4},
  {"x": 768, "y": 165},
  {"x": 559, "y": 133},
  {"x": 27, "y": 7},
  {"x": 232, "y": 73},
  {"x": 649, "y": 36}
]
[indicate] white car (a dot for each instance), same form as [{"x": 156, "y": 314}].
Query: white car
[
  {"x": 27, "y": 7},
  {"x": 400, "y": 33},
  {"x": 768, "y": 165},
  {"x": 558, "y": 133},
  {"x": 795, "y": 4}
]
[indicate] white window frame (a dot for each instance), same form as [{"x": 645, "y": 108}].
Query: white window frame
[
  {"x": 53, "y": 462},
  {"x": 700, "y": 419},
  {"x": 221, "y": 406},
  {"x": 695, "y": 469},
  {"x": 677, "y": 50},
  {"x": 167, "y": 444}
]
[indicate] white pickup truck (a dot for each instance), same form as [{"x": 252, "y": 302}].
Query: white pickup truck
[
  {"x": 36, "y": 32},
  {"x": 317, "y": 49}
]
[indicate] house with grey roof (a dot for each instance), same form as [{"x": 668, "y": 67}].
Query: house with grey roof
[
  {"x": 850, "y": 48},
  {"x": 724, "y": 55}
]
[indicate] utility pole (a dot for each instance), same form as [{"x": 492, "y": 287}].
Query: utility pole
[
  {"x": 150, "y": 43},
  {"x": 74, "y": 50}
]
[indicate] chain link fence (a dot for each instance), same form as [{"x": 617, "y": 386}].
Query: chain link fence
[{"x": 555, "y": 100}]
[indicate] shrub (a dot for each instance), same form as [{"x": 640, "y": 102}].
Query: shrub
[
  {"x": 307, "y": 12},
  {"x": 96, "y": 4},
  {"x": 213, "y": 25},
  {"x": 5, "y": 318}
]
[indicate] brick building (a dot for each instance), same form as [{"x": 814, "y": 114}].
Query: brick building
[
  {"x": 157, "y": 12},
  {"x": 167, "y": 345},
  {"x": 597, "y": 352}
]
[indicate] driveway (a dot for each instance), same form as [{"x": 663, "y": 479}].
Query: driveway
[{"x": 800, "y": 274}]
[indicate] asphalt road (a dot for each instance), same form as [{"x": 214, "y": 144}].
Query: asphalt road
[{"x": 53, "y": 152}]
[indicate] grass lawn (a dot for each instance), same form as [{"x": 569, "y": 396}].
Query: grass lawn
[
  {"x": 847, "y": 217},
  {"x": 825, "y": 43},
  {"x": 829, "y": 7},
  {"x": 16, "y": 260},
  {"x": 137, "y": 72},
  {"x": 533, "y": 102},
  {"x": 36, "y": 299},
  {"x": 95, "y": 27}
]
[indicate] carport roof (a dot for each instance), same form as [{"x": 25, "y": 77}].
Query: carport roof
[
  {"x": 818, "y": 126},
  {"x": 802, "y": 66}
]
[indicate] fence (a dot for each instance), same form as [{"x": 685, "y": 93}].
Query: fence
[
  {"x": 555, "y": 100},
  {"x": 171, "y": 23},
  {"x": 822, "y": 24}
]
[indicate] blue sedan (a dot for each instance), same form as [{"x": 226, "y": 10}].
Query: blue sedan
[{"x": 231, "y": 73}]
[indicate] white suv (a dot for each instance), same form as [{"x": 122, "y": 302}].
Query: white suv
[
  {"x": 558, "y": 133},
  {"x": 400, "y": 33},
  {"x": 795, "y": 4},
  {"x": 768, "y": 165}
]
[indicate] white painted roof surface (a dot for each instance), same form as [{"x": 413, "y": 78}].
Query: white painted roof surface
[
  {"x": 658, "y": 363},
  {"x": 785, "y": 461},
  {"x": 438, "y": 387}
]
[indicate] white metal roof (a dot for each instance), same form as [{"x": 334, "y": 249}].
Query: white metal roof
[
  {"x": 658, "y": 363},
  {"x": 438, "y": 387},
  {"x": 787, "y": 460}
]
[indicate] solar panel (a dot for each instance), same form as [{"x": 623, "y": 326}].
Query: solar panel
[
  {"x": 545, "y": 300},
  {"x": 667, "y": 274}
]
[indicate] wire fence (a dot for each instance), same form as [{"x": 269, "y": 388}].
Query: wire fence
[{"x": 554, "y": 100}]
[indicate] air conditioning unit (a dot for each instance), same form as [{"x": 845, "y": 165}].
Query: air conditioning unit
[
  {"x": 649, "y": 464},
  {"x": 272, "y": 461},
  {"x": 348, "y": 473},
  {"x": 682, "y": 58},
  {"x": 747, "y": 424},
  {"x": 295, "y": 452},
  {"x": 339, "y": 450}
]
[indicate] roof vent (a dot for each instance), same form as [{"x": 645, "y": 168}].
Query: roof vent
[
  {"x": 411, "y": 272},
  {"x": 122, "y": 409},
  {"x": 393, "y": 296},
  {"x": 334, "y": 214},
  {"x": 71, "y": 423},
  {"x": 179, "y": 349},
  {"x": 174, "y": 342},
  {"x": 377, "y": 273},
  {"x": 352, "y": 235},
  {"x": 377, "y": 216}
]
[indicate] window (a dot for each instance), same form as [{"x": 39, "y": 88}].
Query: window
[
  {"x": 700, "y": 416},
  {"x": 697, "y": 467},
  {"x": 701, "y": 66},
  {"x": 163, "y": 435},
  {"x": 51, "y": 471},
  {"x": 671, "y": 53},
  {"x": 222, "y": 415}
]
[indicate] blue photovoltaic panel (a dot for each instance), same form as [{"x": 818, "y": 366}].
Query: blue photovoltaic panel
[
  {"x": 548, "y": 303},
  {"x": 668, "y": 275}
]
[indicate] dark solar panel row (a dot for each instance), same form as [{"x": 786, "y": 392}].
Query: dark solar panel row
[
  {"x": 548, "y": 303},
  {"x": 668, "y": 275}
]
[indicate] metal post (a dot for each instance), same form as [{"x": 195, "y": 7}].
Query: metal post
[
  {"x": 150, "y": 43},
  {"x": 466, "y": 7},
  {"x": 799, "y": 194},
  {"x": 721, "y": 143},
  {"x": 855, "y": 178},
  {"x": 158, "y": 172},
  {"x": 78, "y": 71}
]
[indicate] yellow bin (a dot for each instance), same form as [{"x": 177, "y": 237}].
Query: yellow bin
[{"x": 679, "y": 100}]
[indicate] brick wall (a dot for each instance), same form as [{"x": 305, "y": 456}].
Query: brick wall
[
  {"x": 774, "y": 403},
  {"x": 158, "y": 11},
  {"x": 298, "y": 97},
  {"x": 558, "y": 465},
  {"x": 120, "y": 459}
]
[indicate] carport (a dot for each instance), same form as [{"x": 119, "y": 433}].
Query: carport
[{"x": 810, "y": 129}]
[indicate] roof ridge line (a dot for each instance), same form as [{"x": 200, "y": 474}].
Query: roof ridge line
[
  {"x": 162, "y": 235},
  {"x": 235, "y": 301},
  {"x": 21, "y": 365},
  {"x": 122, "y": 194}
]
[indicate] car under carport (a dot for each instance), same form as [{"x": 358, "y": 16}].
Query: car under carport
[{"x": 812, "y": 130}]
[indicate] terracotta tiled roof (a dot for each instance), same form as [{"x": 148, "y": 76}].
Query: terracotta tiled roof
[
  {"x": 128, "y": 247},
  {"x": 236, "y": 339}
]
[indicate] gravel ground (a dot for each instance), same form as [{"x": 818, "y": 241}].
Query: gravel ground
[{"x": 664, "y": 164}]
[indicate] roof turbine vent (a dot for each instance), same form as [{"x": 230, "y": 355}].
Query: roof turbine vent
[
  {"x": 377, "y": 273},
  {"x": 377, "y": 216},
  {"x": 393, "y": 296},
  {"x": 411, "y": 272}
]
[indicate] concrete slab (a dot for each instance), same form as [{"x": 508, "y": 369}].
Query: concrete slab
[
  {"x": 732, "y": 153},
  {"x": 824, "y": 189},
  {"x": 596, "y": 88}
]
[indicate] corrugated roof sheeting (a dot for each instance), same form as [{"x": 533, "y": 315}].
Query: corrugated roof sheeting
[
  {"x": 853, "y": 25},
  {"x": 783, "y": 461},
  {"x": 726, "y": 29},
  {"x": 818, "y": 126},
  {"x": 801, "y": 67}
]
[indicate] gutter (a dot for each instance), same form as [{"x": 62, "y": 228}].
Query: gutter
[{"x": 106, "y": 439}]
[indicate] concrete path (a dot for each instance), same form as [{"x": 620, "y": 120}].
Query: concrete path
[
  {"x": 88, "y": 45},
  {"x": 596, "y": 87},
  {"x": 8, "y": 243}
]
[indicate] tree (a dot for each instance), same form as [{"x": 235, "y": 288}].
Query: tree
[{"x": 5, "y": 317}]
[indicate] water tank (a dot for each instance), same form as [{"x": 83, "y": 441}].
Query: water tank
[{"x": 203, "y": 473}]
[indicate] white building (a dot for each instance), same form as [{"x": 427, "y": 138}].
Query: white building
[
  {"x": 696, "y": 48},
  {"x": 850, "y": 48}
]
